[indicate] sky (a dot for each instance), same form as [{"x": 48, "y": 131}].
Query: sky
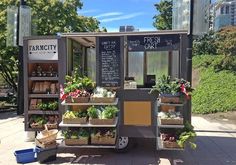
[{"x": 115, "y": 13}]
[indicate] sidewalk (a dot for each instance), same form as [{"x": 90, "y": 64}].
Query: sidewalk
[{"x": 216, "y": 146}]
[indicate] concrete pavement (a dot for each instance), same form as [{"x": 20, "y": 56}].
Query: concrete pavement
[{"x": 216, "y": 146}]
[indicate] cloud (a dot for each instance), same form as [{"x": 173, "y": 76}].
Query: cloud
[
  {"x": 86, "y": 11},
  {"x": 128, "y": 16},
  {"x": 108, "y": 14}
]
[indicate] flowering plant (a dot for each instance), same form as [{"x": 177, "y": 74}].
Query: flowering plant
[
  {"x": 165, "y": 85},
  {"x": 76, "y": 86}
]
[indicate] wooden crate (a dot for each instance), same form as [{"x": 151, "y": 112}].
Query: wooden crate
[
  {"x": 74, "y": 142},
  {"x": 102, "y": 140},
  {"x": 75, "y": 121},
  {"x": 171, "y": 121},
  {"x": 102, "y": 121},
  {"x": 102, "y": 99}
]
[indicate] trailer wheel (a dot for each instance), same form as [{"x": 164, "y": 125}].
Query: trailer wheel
[{"x": 123, "y": 144}]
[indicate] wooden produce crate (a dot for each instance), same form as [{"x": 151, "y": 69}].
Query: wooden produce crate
[
  {"x": 36, "y": 126},
  {"x": 102, "y": 121},
  {"x": 74, "y": 142},
  {"x": 171, "y": 121},
  {"x": 75, "y": 120},
  {"x": 103, "y": 140},
  {"x": 170, "y": 99},
  {"x": 102, "y": 99},
  {"x": 77, "y": 100},
  {"x": 168, "y": 144}
]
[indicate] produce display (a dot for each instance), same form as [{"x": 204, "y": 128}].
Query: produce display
[{"x": 102, "y": 92}]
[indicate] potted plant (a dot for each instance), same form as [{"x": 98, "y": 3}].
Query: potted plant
[
  {"x": 77, "y": 89},
  {"x": 74, "y": 117},
  {"x": 172, "y": 91}
]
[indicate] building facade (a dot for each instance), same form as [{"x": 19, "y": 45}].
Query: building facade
[{"x": 225, "y": 14}]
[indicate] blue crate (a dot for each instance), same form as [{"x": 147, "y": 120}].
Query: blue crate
[{"x": 25, "y": 156}]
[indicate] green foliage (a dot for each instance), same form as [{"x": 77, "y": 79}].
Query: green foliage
[
  {"x": 109, "y": 112},
  {"x": 216, "y": 91},
  {"x": 226, "y": 41},
  {"x": 49, "y": 17},
  {"x": 187, "y": 136},
  {"x": 163, "y": 20},
  {"x": 205, "y": 44},
  {"x": 93, "y": 112}
]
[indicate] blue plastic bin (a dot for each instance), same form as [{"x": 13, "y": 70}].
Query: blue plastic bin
[{"x": 25, "y": 156}]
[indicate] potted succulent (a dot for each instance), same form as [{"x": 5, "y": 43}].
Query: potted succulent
[
  {"x": 173, "y": 91},
  {"x": 77, "y": 89}
]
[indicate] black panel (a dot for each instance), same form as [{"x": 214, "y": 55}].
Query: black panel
[
  {"x": 153, "y": 42},
  {"x": 109, "y": 61}
]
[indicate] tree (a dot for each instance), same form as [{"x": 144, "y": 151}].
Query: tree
[
  {"x": 163, "y": 20},
  {"x": 205, "y": 45},
  {"x": 49, "y": 18}
]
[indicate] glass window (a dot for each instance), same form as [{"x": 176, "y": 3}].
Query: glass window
[
  {"x": 136, "y": 66},
  {"x": 91, "y": 63},
  {"x": 157, "y": 63}
]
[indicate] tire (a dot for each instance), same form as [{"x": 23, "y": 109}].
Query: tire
[{"x": 123, "y": 144}]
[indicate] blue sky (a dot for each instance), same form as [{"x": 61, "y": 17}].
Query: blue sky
[{"x": 114, "y": 13}]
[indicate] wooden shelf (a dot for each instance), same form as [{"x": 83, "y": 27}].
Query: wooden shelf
[
  {"x": 62, "y": 145},
  {"x": 91, "y": 103},
  {"x": 39, "y": 112},
  {"x": 43, "y": 95},
  {"x": 42, "y": 61},
  {"x": 88, "y": 125},
  {"x": 160, "y": 146},
  {"x": 43, "y": 78}
]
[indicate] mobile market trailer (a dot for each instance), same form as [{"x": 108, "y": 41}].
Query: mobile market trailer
[{"x": 127, "y": 62}]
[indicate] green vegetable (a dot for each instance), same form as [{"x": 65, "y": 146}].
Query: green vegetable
[
  {"x": 93, "y": 112},
  {"x": 187, "y": 136},
  {"x": 109, "y": 112}
]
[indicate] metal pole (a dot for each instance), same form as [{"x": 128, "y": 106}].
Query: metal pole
[
  {"x": 189, "y": 56},
  {"x": 20, "y": 88}
]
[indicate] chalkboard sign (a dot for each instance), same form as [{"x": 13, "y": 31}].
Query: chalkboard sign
[
  {"x": 109, "y": 61},
  {"x": 153, "y": 42}
]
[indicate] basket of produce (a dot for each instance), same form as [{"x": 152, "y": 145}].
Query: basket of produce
[
  {"x": 103, "y": 137},
  {"x": 102, "y": 95},
  {"x": 169, "y": 141},
  {"x": 76, "y": 136},
  {"x": 170, "y": 118},
  {"x": 105, "y": 116},
  {"x": 74, "y": 117}
]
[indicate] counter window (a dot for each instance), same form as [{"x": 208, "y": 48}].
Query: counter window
[{"x": 136, "y": 66}]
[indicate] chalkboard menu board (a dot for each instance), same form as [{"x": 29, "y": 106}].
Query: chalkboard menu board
[
  {"x": 153, "y": 42},
  {"x": 109, "y": 61}
]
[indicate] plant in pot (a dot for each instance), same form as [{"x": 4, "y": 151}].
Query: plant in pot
[
  {"x": 76, "y": 88},
  {"x": 173, "y": 91},
  {"x": 187, "y": 136}
]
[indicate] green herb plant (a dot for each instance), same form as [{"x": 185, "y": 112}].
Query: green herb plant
[{"x": 187, "y": 136}]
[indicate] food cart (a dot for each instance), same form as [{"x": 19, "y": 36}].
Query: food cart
[{"x": 127, "y": 62}]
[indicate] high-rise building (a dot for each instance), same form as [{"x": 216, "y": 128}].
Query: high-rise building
[
  {"x": 225, "y": 14},
  {"x": 181, "y": 16}
]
